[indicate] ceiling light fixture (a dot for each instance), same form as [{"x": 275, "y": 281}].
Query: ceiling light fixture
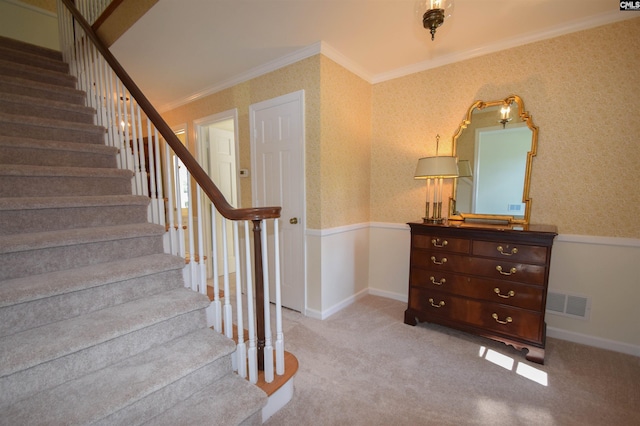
[{"x": 435, "y": 15}]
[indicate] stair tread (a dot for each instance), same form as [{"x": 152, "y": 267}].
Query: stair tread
[
  {"x": 49, "y": 87},
  {"x": 18, "y": 142},
  {"x": 206, "y": 406},
  {"x": 50, "y": 122},
  {"x": 51, "y": 341},
  {"x": 33, "y": 59},
  {"x": 30, "y": 203},
  {"x": 25, "y": 289},
  {"x": 27, "y": 71},
  {"x": 10, "y": 43},
  {"x": 30, "y": 170},
  {"x": 48, "y": 103},
  {"x": 99, "y": 394},
  {"x": 68, "y": 237}
]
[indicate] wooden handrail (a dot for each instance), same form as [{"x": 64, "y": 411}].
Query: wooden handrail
[{"x": 197, "y": 172}]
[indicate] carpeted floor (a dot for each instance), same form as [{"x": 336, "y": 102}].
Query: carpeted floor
[{"x": 364, "y": 366}]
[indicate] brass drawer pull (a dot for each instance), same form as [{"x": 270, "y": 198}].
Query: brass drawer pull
[
  {"x": 439, "y": 305},
  {"x": 442, "y": 262},
  {"x": 436, "y": 242},
  {"x": 501, "y": 251},
  {"x": 507, "y": 321},
  {"x": 433, "y": 281},
  {"x": 499, "y": 269},
  {"x": 511, "y": 293}
]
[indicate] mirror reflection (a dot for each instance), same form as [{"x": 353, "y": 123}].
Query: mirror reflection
[{"x": 494, "y": 145}]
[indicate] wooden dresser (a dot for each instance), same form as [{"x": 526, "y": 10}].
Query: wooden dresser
[{"x": 490, "y": 280}]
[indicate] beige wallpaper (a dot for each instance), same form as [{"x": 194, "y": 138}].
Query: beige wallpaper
[
  {"x": 580, "y": 89},
  {"x": 583, "y": 92},
  {"x": 345, "y": 146},
  {"x": 301, "y": 75}
]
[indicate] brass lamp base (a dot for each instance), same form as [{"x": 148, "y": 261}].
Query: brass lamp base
[{"x": 437, "y": 213}]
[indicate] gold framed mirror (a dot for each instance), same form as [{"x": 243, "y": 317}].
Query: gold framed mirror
[{"x": 495, "y": 145}]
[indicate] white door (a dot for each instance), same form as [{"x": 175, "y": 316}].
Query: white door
[
  {"x": 277, "y": 158},
  {"x": 217, "y": 155}
]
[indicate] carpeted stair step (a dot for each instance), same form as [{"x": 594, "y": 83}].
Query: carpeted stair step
[
  {"x": 31, "y": 58},
  {"x": 9, "y": 43},
  {"x": 44, "y": 108},
  {"x": 134, "y": 390},
  {"x": 42, "y": 181},
  {"x": 55, "y": 92},
  {"x": 50, "y": 129},
  {"x": 42, "y": 252},
  {"x": 42, "y": 152},
  {"x": 31, "y": 73},
  {"x": 40, "y": 214},
  {"x": 48, "y": 356},
  {"x": 242, "y": 405},
  {"x": 36, "y": 300}
]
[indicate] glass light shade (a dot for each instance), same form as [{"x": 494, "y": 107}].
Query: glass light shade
[
  {"x": 436, "y": 167},
  {"x": 464, "y": 168}
]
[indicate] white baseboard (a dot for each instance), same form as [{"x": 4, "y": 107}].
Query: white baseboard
[
  {"x": 337, "y": 307},
  {"x": 597, "y": 342},
  {"x": 389, "y": 295}
]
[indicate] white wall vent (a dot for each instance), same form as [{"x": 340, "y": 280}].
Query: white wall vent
[{"x": 569, "y": 305}]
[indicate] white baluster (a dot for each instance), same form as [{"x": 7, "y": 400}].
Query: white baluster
[
  {"x": 193, "y": 279},
  {"x": 144, "y": 189},
  {"x": 170, "y": 191},
  {"x": 178, "y": 194},
  {"x": 268, "y": 348},
  {"x": 159, "y": 184},
  {"x": 252, "y": 352},
  {"x": 279, "y": 333},
  {"x": 202, "y": 270},
  {"x": 217, "y": 304},
  {"x": 153, "y": 205},
  {"x": 241, "y": 349},
  {"x": 228, "y": 310}
]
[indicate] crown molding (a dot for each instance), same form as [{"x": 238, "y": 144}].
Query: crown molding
[
  {"x": 325, "y": 49},
  {"x": 296, "y": 56},
  {"x": 532, "y": 37}
]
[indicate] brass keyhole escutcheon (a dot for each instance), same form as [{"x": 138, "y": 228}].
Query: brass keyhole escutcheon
[{"x": 293, "y": 221}]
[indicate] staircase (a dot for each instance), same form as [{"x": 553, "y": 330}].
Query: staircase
[{"x": 96, "y": 326}]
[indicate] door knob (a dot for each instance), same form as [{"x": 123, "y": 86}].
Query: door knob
[{"x": 293, "y": 220}]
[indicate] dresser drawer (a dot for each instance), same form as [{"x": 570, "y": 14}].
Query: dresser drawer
[
  {"x": 511, "y": 271},
  {"x": 512, "y": 252},
  {"x": 440, "y": 261},
  {"x": 508, "y": 293},
  {"x": 504, "y": 320},
  {"x": 456, "y": 245}
]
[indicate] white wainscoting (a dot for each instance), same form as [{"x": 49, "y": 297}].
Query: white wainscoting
[
  {"x": 607, "y": 271},
  {"x": 373, "y": 258},
  {"x": 344, "y": 268}
]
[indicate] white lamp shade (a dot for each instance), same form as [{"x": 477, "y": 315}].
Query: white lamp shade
[{"x": 436, "y": 167}]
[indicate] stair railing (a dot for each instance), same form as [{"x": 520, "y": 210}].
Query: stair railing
[{"x": 164, "y": 170}]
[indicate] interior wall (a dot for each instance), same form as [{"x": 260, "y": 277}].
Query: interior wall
[
  {"x": 33, "y": 22},
  {"x": 345, "y": 169},
  {"x": 582, "y": 94}
]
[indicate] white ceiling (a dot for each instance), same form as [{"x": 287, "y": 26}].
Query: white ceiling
[{"x": 182, "y": 49}]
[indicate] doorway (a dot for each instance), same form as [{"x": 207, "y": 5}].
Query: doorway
[
  {"x": 277, "y": 160},
  {"x": 217, "y": 153}
]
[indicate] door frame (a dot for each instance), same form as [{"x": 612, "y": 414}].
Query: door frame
[
  {"x": 298, "y": 96},
  {"x": 231, "y": 114}
]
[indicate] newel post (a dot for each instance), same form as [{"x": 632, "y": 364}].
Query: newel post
[{"x": 259, "y": 291}]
